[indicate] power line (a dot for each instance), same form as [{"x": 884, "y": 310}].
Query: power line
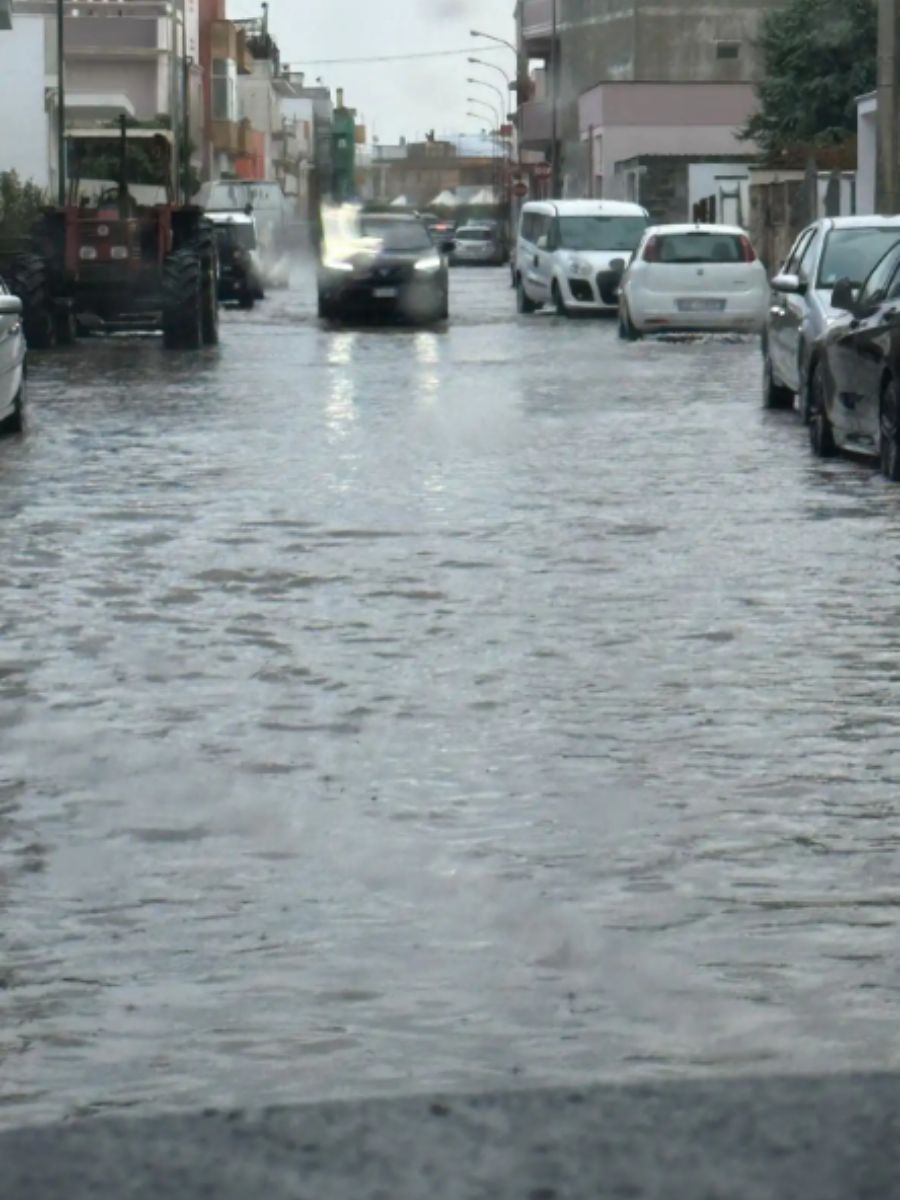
[{"x": 335, "y": 62}]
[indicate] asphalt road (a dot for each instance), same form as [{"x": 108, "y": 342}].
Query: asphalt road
[{"x": 384, "y": 711}]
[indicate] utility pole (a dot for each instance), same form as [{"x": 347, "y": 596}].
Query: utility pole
[
  {"x": 555, "y": 185},
  {"x": 888, "y": 192},
  {"x": 61, "y": 98}
]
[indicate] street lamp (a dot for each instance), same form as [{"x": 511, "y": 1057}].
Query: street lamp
[
  {"x": 61, "y": 98},
  {"x": 491, "y": 38},
  {"x": 493, "y": 111},
  {"x": 481, "y": 62},
  {"x": 485, "y": 84}
]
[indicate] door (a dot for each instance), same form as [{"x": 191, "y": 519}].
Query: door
[
  {"x": 778, "y": 311},
  {"x": 11, "y": 356},
  {"x": 860, "y": 353},
  {"x": 542, "y": 260}
]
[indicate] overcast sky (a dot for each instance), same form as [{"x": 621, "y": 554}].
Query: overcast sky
[{"x": 401, "y": 97}]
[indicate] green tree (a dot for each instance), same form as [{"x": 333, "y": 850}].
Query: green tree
[
  {"x": 20, "y": 205},
  {"x": 818, "y": 55}
]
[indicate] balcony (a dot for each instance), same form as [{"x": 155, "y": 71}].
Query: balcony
[
  {"x": 230, "y": 43},
  {"x": 226, "y": 137},
  {"x": 537, "y": 27},
  {"x": 535, "y": 122}
]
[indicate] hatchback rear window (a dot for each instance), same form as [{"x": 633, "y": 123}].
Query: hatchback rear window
[
  {"x": 473, "y": 235},
  {"x": 686, "y": 248}
]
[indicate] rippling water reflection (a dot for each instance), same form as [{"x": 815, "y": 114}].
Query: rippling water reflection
[{"x": 388, "y": 710}]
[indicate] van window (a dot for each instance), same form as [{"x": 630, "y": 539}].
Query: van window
[{"x": 601, "y": 233}]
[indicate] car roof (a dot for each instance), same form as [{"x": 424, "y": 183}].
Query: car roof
[
  {"x": 726, "y": 230},
  {"x": 875, "y": 221},
  {"x": 586, "y": 208},
  {"x": 230, "y": 218}
]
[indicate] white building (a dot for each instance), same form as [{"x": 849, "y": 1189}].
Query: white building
[{"x": 28, "y": 143}]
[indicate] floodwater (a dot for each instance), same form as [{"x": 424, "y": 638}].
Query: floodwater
[{"x": 385, "y": 710}]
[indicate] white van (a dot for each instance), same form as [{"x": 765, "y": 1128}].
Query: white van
[{"x": 572, "y": 253}]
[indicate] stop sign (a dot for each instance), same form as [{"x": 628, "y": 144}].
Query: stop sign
[{"x": 520, "y": 189}]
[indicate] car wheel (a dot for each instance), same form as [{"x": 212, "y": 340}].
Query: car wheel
[
  {"x": 15, "y": 422},
  {"x": 821, "y": 433},
  {"x": 775, "y": 394},
  {"x": 890, "y": 432},
  {"x": 628, "y": 331},
  {"x": 562, "y": 309},
  {"x": 523, "y": 302}
]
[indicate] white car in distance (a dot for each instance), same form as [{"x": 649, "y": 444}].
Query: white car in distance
[
  {"x": 12, "y": 362},
  {"x": 693, "y": 279}
]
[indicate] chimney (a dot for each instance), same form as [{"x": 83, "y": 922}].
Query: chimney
[{"x": 340, "y": 97}]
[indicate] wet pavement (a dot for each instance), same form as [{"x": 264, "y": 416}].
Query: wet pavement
[{"x": 384, "y": 711}]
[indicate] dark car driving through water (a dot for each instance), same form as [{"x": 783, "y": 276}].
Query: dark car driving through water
[
  {"x": 240, "y": 268},
  {"x": 382, "y": 265}
]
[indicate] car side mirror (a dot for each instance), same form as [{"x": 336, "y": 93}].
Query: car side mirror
[
  {"x": 789, "y": 285},
  {"x": 10, "y": 306},
  {"x": 844, "y": 296}
]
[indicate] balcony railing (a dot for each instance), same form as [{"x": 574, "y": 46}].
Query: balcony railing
[{"x": 537, "y": 20}]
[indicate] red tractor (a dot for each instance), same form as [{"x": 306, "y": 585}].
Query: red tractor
[{"x": 120, "y": 255}]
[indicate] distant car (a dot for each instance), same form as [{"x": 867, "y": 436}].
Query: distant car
[
  {"x": 240, "y": 268},
  {"x": 12, "y": 362},
  {"x": 571, "y": 253},
  {"x": 693, "y": 278},
  {"x": 479, "y": 245},
  {"x": 800, "y": 309},
  {"x": 856, "y": 374},
  {"x": 386, "y": 265}
]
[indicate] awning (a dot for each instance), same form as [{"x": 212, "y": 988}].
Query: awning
[{"x": 98, "y": 106}]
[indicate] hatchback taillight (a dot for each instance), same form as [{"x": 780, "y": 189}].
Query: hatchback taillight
[
  {"x": 651, "y": 250},
  {"x": 747, "y": 249}
]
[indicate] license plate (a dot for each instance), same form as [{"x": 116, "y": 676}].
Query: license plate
[
  {"x": 385, "y": 293},
  {"x": 701, "y": 305}
]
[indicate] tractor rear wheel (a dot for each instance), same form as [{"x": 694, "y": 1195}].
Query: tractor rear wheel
[
  {"x": 29, "y": 280},
  {"x": 183, "y": 308}
]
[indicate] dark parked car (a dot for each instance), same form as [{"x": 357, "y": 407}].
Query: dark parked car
[
  {"x": 800, "y": 309},
  {"x": 387, "y": 265},
  {"x": 856, "y": 379}
]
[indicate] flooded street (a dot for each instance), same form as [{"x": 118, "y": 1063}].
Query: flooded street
[{"x": 385, "y": 710}]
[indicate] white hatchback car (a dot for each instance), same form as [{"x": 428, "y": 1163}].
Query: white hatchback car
[
  {"x": 693, "y": 278},
  {"x": 12, "y": 361}
]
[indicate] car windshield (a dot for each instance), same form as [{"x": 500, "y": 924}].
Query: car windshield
[
  {"x": 681, "y": 248},
  {"x": 236, "y": 236},
  {"x": 601, "y": 233},
  {"x": 474, "y": 235},
  {"x": 852, "y": 254},
  {"x": 398, "y": 235}
]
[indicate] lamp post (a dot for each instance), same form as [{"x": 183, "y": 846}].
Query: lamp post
[
  {"x": 61, "y": 99},
  {"x": 554, "y": 104},
  {"x": 483, "y": 83},
  {"x": 493, "y": 111},
  {"x": 481, "y": 62},
  {"x": 492, "y": 38}
]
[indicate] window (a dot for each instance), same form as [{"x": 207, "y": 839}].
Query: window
[
  {"x": 853, "y": 253},
  {"x": 680, "y": 248},
  {"x": 876, "y": 285},
  {"x": 601, "y": 233},
  {"x": 792, "y": 266},
  {"x": 728, "y": 50},
  {"x": 224, "y": 90}
]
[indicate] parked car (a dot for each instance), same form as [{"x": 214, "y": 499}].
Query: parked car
[
  {"x": 572, "y": 253},
  {"x": 800, "y": 309},
  {"x": 693, "y": 278},
  {"x": 479, "y": 245},
  {"x": 856, "y": 374},
  {"x": 384, "y": 265},
  {"x": 12, "y": 361},
  {"x": 240, "y": 267}
]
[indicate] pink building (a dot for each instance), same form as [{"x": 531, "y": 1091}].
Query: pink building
[{"x": 670, "y": 146}]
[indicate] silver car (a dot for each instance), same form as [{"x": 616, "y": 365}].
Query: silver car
[
  {"x": 800, "y": 309},
  {"x": 12, "y": 361},
  {"x": 478, "y": 244}
]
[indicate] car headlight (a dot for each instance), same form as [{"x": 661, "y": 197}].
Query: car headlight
[
  {"x": 431, "y": 263},
  {"x": 578, "y": 267},
  {"x": 337, "y": 264},
  {"x": 87, "y": 253}
]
